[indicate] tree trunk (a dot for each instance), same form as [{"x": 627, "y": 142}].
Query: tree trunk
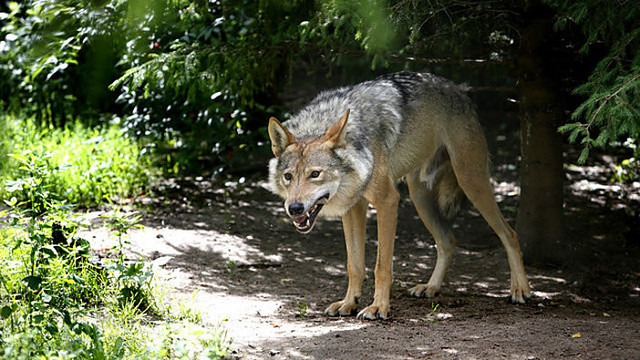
[{"x": 539, "y": 223}]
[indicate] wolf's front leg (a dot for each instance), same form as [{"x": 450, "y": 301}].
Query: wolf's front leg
[
  {"x": 385, "y": 199},
  {"x": 354, "y": 224}
]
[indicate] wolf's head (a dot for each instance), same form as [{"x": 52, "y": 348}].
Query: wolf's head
[{"x": 305, "y": 172}]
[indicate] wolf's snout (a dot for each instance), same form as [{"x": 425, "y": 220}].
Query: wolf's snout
[{"x": 296, "y": 209}]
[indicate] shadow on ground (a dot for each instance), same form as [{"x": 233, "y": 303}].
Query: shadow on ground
[{"x": 239, "y": 260}]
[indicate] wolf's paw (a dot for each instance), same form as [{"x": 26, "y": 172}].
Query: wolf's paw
[
  {"x": 520, "y": 296},
  {"x": 424, "y": 290},
  {"x": 520, "y": 290},
  {"x": 374, "y": 312},
  {"x": 341, "y": 308}
]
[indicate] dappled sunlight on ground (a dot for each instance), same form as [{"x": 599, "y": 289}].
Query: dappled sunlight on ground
[{"x": 233, "y": 254}]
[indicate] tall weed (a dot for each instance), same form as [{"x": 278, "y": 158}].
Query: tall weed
[
  {"x": 57, "y": 300},
  {"x": 46, "y": 281},
  {"x": 86, "y": 166}
]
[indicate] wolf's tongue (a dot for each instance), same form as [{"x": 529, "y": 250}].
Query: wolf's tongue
[{"x": 301, "y": 219}]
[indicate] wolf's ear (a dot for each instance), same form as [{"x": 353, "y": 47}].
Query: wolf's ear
[
  {"x": 280, "y": 137},
  {"x": 336, "y": 135}
]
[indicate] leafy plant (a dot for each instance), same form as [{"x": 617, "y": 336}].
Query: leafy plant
[
  {"x": 302, "y": 308},
  {"x": 215, "y": 344},
  {"x": 629, "y": 168},
  {"x": 433, "y": 314},
  {"x": 232, "y": 268},
  {"x": 187, "y": 312},
  {"x": 46, "y": 281},
  {"x": 31, "y": 186},
  {"x": 120, "y": 223},
  {"x": 133, "y": 278},
  {"x": 197, "y": 76},
  {"x": 133, "y": 281},
  {"x": 56, "y": 301},
  {"x": 188, "y": 342}
]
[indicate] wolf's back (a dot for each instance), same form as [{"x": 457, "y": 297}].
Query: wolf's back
[{"x": 379, "y": 107}]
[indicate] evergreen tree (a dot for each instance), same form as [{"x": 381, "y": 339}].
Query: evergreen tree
[{"x": 611, "y": 110}]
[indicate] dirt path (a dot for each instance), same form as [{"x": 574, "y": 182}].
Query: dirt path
[{"x": 239, "y": 261}]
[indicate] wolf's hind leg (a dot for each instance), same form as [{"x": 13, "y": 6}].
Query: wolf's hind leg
[
  {"x": 354, "y": 224},
  {"x": 470, "y": 168},
  {"x": 424, "y": 199}
]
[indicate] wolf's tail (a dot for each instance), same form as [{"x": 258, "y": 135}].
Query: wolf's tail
[{"x": 438, "y": 176}]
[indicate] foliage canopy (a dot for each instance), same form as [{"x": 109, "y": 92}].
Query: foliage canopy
[{"x": 200, "y": 77}]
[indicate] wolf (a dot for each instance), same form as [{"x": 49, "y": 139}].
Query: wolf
[{"x": 349, "y": 147}]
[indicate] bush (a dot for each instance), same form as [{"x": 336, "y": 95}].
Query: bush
[
  {"x": 58, "y": 301},
  {"x": 46, "y": 281},
  {"x": 58, "y": 56},
  {"x": 190, "y": 76},
  {"x": 199, "y": 77}
]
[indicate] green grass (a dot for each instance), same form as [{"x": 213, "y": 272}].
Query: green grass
[
  {"x": 57, "y": 300},
  {"x": 86, "y": 166}
]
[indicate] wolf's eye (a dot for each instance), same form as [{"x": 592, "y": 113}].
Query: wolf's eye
[
  {"x": 314, "y": 174},
  {"x": 288, "y": 176}
]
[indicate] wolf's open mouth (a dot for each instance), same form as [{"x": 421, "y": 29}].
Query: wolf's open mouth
[{"x": 305, "y": 223}]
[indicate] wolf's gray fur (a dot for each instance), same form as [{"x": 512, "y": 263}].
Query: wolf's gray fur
[{"x": 420, "y": 127}]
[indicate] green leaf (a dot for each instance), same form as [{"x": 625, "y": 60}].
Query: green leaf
[
  {"x": 19, "y": 157},
  {"x": 583, "y": 155},
  {"x": 568, "y": 127},
  {"x": 574, "y": 135},
  {"x": 11, "y": 186},
  {"x": 33, "y": 282},
  {"x": 6, "y": 311},
  {"x": 11, "y": 202}
]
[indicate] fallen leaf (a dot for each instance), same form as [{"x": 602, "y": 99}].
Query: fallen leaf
[{"x": 576, "y": 335}]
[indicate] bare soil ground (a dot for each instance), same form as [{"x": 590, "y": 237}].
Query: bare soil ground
[{"x": 236, "y": 258}]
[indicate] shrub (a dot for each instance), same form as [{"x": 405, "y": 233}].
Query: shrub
[
  {"x": 46, "y": 281},
  {"x": 57, "y": 301}
]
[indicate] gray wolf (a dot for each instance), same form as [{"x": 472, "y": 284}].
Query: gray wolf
[{"x": 350, "y": 146}]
